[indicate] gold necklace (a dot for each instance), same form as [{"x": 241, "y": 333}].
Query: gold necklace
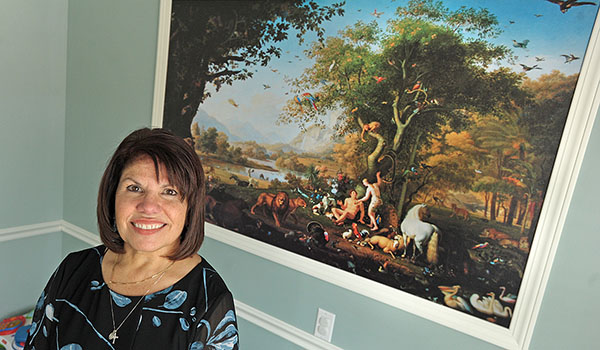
[
  {"x": 141, "y": 281},
  {"x": 113, "y": 335}
]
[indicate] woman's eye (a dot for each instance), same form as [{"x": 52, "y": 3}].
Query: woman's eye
[
  {"x": 134, "y": 188},
  {"x": 171, "y": 192}
]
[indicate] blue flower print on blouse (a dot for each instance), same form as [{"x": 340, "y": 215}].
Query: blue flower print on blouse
[
  {"x": 175, "y": 299},
  {"x": 120, "y": 300},
  {"x": 224, "y": 336}
]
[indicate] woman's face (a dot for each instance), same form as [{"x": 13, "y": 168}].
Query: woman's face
[{"x": 149, "y": 214}]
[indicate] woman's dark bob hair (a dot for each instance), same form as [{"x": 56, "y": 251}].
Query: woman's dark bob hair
[{"x": 184, "y": 171}]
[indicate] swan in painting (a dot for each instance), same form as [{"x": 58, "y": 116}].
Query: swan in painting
[
  {"x": 489, "y": 305},
  {"x": 452, "y": 300},
  {"x": 483, "y": 304},
  {"x": 508, "y": 298}
]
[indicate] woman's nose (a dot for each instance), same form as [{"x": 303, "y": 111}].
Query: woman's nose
[{"x": 149, "y": 204}]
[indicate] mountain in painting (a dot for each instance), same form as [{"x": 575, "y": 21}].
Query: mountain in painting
[
  {"x": 315, "y": 139},
  {"x": 236, "y": 132}
]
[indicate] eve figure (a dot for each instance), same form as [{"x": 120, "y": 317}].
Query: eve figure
[{"x": 373, "y": 191}]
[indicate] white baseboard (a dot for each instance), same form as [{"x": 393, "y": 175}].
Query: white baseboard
[{"x": 263, "y": 320}]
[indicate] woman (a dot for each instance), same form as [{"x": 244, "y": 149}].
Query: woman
[
  {"x": 374, "y": 192},
  {"x": 145, "y": 287}
]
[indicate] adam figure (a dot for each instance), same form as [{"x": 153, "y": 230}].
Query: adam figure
[{"x": 350, "y": 208}]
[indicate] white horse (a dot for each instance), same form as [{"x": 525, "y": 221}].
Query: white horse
[{"x": 421, "y": 232}]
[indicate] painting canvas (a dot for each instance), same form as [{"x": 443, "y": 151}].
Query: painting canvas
[{"x": 409, "y": 142}]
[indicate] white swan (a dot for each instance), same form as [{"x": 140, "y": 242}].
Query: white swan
[
  {"x": 490, "y": 305},
  {"x": 483, "y": 304},
  {"x": 452, "y": 300}
]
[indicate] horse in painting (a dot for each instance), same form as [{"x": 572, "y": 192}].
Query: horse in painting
[{"x": 421, "y": 232}]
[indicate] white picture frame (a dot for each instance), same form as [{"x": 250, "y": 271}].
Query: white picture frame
[{"x": 569, "y": 157}]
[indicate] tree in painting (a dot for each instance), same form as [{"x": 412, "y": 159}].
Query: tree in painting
[
  {"x": 217, "y": 42},
  {"x": 401, "y": 87}
]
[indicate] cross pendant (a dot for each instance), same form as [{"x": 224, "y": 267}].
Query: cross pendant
[{"x": 113, "y": 336}]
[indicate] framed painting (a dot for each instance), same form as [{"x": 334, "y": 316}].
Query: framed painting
[{"x": 426, "y": 149}]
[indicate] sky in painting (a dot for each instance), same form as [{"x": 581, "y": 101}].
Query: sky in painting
[{"x": 550, "y": 34}]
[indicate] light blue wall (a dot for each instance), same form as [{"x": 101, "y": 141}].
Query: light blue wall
[
  {"x": 25, "y": 266},
  {"x": 33, "y": 41},
  {"x": 109, "y": 81},
  {"x": 111, "y": 54}
]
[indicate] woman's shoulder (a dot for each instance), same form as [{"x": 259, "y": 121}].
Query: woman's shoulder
[
  {"x": 206, "y": 275},
  {"x": 81, "y": 258},
  {"x": 92, "y": 252}
]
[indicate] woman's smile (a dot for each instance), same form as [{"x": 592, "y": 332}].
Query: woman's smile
[{"x": 147, "y": 228}]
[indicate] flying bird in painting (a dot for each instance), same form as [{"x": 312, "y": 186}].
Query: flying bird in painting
[
  {"x": 566, "y": 5},
  {"x": 265, "y": 86},
  {"x": 570, "y": 58},
  {"x": 232, "y": 102},
  {"x": 522, "y": 45},
  {"x": 528, "y": 68},
  {"x": 378, "y": 79},
  {"x": 377, "y": 14}
]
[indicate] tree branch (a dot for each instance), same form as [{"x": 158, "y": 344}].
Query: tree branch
[{"x": 221, "y": 73}]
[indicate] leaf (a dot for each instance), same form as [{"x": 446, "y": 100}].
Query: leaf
[
  {"x": 96, "y": 285},
  {"x": 184, "y": 324},
  {"x": 72, "y": 346},
  {"x": 175, "y": 299},
  {"x": 120, "y": 300},
  {"x": 197, "y": 346}
]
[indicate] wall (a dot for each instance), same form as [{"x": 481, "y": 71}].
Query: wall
[
  {"x": 33, "y": 60},
  {"x": 33, "y": 40},
  {"x": 111, "y": 54}
]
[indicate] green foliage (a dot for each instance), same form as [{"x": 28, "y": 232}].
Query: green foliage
[
  {"x": 218, "y": 42},
  {"x": 293, "y": 180},
  {"x": 276, "y": 184},
  {"x": 290, "y": 162},
  {"x": 207, "y": 140},
  {"x": 427, "y": 70}
]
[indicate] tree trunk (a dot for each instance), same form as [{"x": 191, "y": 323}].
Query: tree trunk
[
  {"x": 181, "y": 106},
  {"x": 512, "y": 208},
  {"x": 493, "y": 206},
  {"x": 486, "y": 197},
  {"x": 522, "y": 210},
  {"x": 525, "y": 216},
  {"x": 413, "y": 154}
]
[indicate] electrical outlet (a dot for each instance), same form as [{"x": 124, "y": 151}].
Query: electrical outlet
[{"x": 324, "y": 325}]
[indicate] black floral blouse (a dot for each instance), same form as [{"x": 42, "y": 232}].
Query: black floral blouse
[{"x": 74, "y": 311}]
